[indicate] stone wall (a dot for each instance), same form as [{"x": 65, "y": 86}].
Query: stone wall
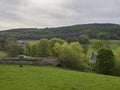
[{"x": 41, "y": 61}]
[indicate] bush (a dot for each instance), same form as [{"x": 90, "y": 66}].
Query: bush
[
  {"x": 71, "y": 55},
  {"x": 105, "y": 61}
]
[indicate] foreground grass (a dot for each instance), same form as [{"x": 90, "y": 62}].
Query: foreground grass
[{"x": 13, "y": 77}]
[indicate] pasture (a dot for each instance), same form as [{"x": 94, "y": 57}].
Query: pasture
[{"x": 13, "y": 77}]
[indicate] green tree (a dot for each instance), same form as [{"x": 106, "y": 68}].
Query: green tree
[
  {"x": 14, "y": 49},
  {"x": 105, "y": 61},
  {"x": 43, "y": 48},
  {"x": 83, "y": 39},
  {"x": 52, "y": 44},
  {"x": 33, "y": 50},
  {"x": 70, "y": 55},
  {"x": 27, "y": 49}
]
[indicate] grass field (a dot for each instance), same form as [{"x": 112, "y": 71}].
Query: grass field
[{"x": 13, "y": 77}]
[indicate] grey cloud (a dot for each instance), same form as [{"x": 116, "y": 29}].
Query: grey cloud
[
  {"x": 63, "y": 12},
  {"x": 10, "y": 1},
  {"x": 94, "y": 8},
  {"x": 9, "y": 10}
]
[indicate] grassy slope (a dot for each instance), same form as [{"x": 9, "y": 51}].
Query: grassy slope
[{"x": 12, "y": 77}]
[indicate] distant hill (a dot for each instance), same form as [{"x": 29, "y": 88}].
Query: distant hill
[{"x": 66, "y": 32}]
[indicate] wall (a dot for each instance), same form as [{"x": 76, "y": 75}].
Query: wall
[{"x": 41, "y": 61}]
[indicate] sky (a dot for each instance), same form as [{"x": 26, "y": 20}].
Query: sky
[{"x": 55, "y": 13}]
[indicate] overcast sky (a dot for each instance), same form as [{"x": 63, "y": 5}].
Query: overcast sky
[{"x": 50, "y": 13}]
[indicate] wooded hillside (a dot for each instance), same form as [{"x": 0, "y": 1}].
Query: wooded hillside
[{"x": 66, "y": 32}]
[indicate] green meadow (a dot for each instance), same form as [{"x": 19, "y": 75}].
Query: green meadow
[{"x": 13, "y": 77}]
